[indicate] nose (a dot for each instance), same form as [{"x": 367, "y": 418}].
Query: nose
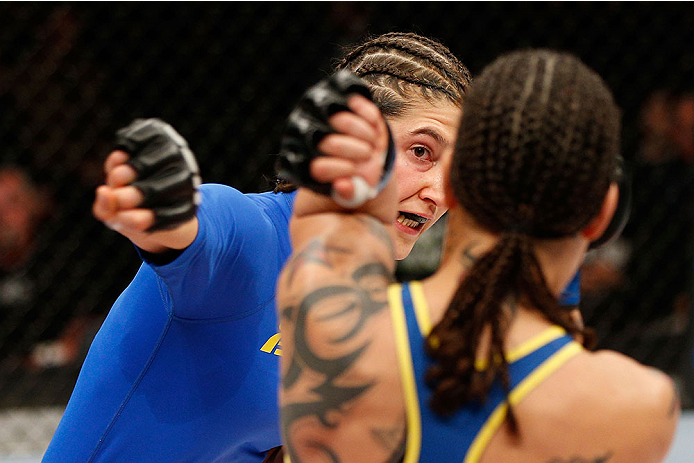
[{"x": 433, "y": 189}]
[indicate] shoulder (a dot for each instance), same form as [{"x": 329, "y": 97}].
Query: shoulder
[
  {"x": 631, "y": 379},
  {"x": 635, "y": 406},
  {"x": 222, "y": 203},
  {"x": 215, "y": 195},
  {"x": 216, "y": 191}
]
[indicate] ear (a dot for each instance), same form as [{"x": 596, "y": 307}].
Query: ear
[{"x": 600, "y": 222}]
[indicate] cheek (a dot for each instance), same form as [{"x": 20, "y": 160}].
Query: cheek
[{"x": 406, "y": 178}]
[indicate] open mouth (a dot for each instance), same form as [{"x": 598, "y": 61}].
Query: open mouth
[{"x": 413, "y": 221}]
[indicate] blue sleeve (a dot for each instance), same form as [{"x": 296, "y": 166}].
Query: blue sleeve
[
  {"x": 117, "y": 360},
  {"x": 234, "y": 258}
]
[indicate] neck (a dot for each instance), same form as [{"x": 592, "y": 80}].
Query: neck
[{"x": 466, "y": 241}]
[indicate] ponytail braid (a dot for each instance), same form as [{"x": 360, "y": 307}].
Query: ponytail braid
[{"x": 536, "y": 147}]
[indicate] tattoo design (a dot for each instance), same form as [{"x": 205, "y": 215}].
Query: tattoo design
[
  {"x": 316, "y": 252},
  {"x": 327, "y": 451},
  {"x": 675, "y": 404},
  {"x": 577, "y": 459},
  {"x": 393, "y": 440},
  {"x": 469, "y": 258},
  {"x": 378, "y": 230},
  {"x": 357, "y": 303}
]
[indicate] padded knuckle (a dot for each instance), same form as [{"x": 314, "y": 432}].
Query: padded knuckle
[
  {"x": 307, "y": 126},
  {"x": 167, "y": 173}
]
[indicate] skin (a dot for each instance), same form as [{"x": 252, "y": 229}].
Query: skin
[
  {"x": 423, "y": 136},
  {"x": 341, "y": 398},
  {"x": 335, "y": 314}
]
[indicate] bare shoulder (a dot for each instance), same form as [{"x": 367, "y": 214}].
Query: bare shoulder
[
  {"x": 653, "y": 389},
  {"x": 637, "y": 407}
]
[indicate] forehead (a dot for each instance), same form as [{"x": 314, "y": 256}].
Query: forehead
[{"x": 438, "y": 118}]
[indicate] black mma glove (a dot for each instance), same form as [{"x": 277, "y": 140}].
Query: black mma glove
[
  {"x": 167, "y": 174},
  {"x": 308, "y": 125}
]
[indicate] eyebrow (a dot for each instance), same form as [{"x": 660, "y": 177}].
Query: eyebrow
[{"x": 440, "y": 139}]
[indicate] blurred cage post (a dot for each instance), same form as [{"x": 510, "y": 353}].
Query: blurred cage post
[{"x": 226, "y": 76}]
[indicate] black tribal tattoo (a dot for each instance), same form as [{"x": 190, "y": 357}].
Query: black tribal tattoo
[
  {"x": 315, "y": 252},
  {"x": 469, "y": 258},
  {"x": 377, "y": 229},
  {"x": 675, "y": 403},
  {"x": 576, "y": 459},
  {"x": 393, "y": 440},
  {"x": 359, "y": 299}
]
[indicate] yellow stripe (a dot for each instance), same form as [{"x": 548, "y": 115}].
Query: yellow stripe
[
  {"x": 531, "y": 345},
  {"x": 517, "y": 394},
  {"x": 414, "y": 431},
  {"x": 421, "y": 308}
]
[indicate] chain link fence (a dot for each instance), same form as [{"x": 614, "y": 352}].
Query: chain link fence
[{"x": 226, "y": 75}]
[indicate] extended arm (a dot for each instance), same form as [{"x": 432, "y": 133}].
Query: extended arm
[{"x": 337, "y": 405}]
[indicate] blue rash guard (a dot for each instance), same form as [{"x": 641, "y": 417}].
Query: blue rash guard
[{"x": 186, "y": 366}]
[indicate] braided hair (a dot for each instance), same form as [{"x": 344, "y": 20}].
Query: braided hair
[
  {"x": 536, "y": 150},
  {"x": 398, "y": 64}
]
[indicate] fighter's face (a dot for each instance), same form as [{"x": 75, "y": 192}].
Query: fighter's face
[{"x": 424, "y": 139}]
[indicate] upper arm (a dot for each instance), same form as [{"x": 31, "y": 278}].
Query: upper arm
[
  {"x": 232, "y": 265},
  {"x": 340, "y": 395},
  {"x": 660, "y": 412},
  {"x": 649, "y": 407}
]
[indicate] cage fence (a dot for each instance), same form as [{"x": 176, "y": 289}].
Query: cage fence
[{"x": 226, "y": 75}]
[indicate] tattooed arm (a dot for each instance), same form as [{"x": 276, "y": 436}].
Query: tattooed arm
[
  {"x": 340, "y": 392},
  {"x": 338, "y": 401}
]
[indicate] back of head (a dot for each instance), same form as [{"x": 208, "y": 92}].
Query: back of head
[
  {"x": 537, "y": 145},
  {"x": 537, "y": 148},
  {"x": 400, "y": 66}
]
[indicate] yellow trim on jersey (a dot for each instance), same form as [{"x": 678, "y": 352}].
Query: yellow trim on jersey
[
  {"x": 421, "y": 308},
  {"x": 414, "y": 421},
  {"x": 526, "y": 347},
  {"x": 516, "y": 395},
  {"x": 534, "y": 343}
]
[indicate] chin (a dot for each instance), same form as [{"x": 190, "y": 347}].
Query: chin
[{"x": 402, "y": 250}]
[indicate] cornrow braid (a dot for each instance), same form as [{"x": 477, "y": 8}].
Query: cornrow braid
[
  {"x": 537, "y": 147},
  {"x": 396, "y": 63}
]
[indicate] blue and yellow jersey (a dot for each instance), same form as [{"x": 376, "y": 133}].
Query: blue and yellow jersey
[{"x": 464, "y": 436}]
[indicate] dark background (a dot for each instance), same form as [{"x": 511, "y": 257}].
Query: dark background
[{"x": 227, "y": 74}]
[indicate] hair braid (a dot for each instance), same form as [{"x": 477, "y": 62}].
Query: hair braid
[
  {"x": 455, "y": 338},
  {"x": 536, "y": 149},
  {"x": 395, "y": 65},
  {"x": 399, "y": 67}
]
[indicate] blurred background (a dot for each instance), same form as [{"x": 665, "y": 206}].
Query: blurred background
[{"x": 226, "y": 76}]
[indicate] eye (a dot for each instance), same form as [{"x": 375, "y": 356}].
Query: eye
[{"x": 421, "y": 152}]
